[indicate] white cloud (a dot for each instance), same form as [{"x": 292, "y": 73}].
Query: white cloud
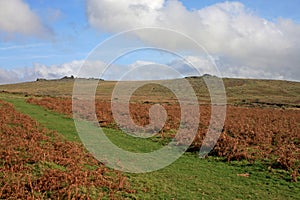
[
  {"x": 16, "y": 17},
  {"x": 138, "y": 70},
  {"x": 25, "y": 74},
  {"x": 77, "y": 68},
  {"x": 8, "y": 76},
  {"x": 229, "y": 30},
  {"x": 53, "y": 71},
  {"x": 123, "y": 14},
  {"x": 140, "y": 63}
]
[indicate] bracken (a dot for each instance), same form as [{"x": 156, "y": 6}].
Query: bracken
[{"x": 39, "y": 164}]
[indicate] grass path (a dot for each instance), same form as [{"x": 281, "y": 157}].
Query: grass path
[
  {"x": 187, "y": 178},
  {"x": 46, "y": 118}
]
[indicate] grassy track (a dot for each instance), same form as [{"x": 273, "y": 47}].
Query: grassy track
[
  {"x": 48, "y": 119},
  {"x": 187, "y": 178}
]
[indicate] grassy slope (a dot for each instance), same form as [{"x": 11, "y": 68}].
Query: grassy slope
[
  {"x": 187, "y": 178},
  {"x": 237, "y": 90},
  {"x": 263, "y": 90}
]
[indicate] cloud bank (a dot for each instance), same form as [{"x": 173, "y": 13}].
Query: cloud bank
[
  {"x": 38, "y": 70},
  {"x": 246, "y": 45},
  {"x": 138, "y": 70},
  {"x": 16, "y": 17}
]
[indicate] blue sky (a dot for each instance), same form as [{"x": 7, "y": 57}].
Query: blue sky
[
  {"x": 67, "y": 31},
  {"x": 265, "y": 8}
]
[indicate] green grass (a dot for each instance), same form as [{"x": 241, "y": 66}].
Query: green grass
[
  {"x": 51, "y": 120},
  {"x": 189, "y": 177},
  {"x": 193, "y": 178},
  {"x": 40, "y": 167}
]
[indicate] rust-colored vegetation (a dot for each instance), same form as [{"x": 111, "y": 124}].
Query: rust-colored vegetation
[
  {"x": 265, "y": 134},
  {"x": 38, "y": 164}
]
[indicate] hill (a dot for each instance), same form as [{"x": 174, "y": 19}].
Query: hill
[{"x": 252, "y": 92}]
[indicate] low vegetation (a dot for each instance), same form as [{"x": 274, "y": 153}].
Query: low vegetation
[
  {"x": 256, "y": 157},
  {"x": 37, "y": 163}
]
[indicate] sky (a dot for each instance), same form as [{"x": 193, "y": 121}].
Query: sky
[{"x": 239, "y": 39}]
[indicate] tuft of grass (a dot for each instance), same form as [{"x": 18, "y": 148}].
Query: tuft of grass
[{"x": 40, "y": 167}]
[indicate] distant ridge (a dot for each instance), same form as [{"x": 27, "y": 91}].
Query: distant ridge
[
  {"x": 245, "y": 92},
  {"x": 203, "y": 76},
  {"x": 67, "y": 78}
]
